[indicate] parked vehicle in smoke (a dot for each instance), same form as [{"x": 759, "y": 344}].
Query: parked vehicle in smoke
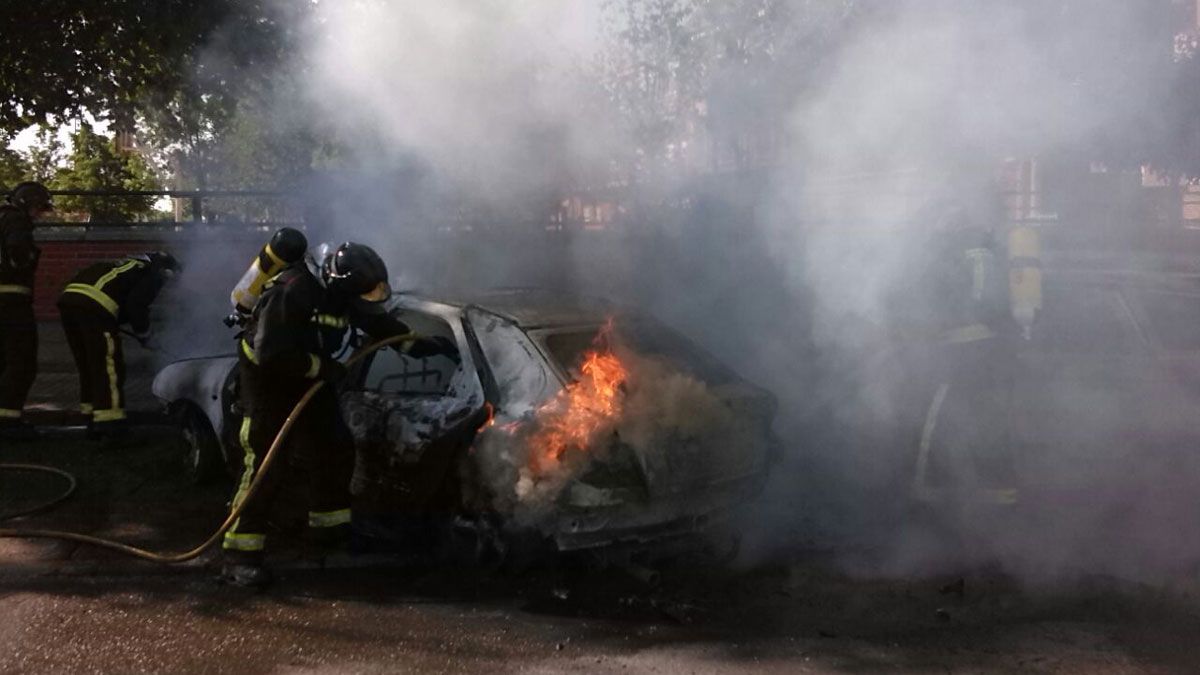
[{"x": 453, "y": 447}]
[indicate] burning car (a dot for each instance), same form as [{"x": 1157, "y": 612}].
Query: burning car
[{"x": 569, "y": 423}]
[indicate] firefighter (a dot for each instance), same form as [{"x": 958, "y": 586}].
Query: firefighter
[
  {"x": 98, "y": 300},
  {"x": 297, "y": 326},
  {"x": 972, "y": 362},
  {"x": 26, "y": 203}
]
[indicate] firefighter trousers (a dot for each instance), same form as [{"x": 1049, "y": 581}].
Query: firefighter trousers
[
  {"x": 18, "y": 354},
  {"x": 319, "y": 442},
  {"x": 95, "y": 341},
  {"x": 966, "y": 436}
]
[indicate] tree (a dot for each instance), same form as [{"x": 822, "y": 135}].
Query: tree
[
  {"x": 263, "y": 139},
  {"x": 683, "y": 73},
  {"x": 95, "y": 163},
  {"x": 13, "y": 167},
  {"x": 118, "y": 57},
  {"x": 45, "y": 155}
]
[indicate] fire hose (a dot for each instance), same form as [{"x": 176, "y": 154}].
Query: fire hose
[{"x": 234, "y": 514}]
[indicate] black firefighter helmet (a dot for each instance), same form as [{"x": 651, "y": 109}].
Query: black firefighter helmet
[
  {"x": 162, "y": 262},
  {"x": 289, "y": 244},
  {"x": 356, "y": 270},
  {"x": 30, "y": 194}
]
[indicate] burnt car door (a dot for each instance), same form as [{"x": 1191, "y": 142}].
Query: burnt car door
[{"x": 413, "y": 419}]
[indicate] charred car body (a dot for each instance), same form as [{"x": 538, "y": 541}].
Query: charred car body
[{"x": 486, "y": 445}]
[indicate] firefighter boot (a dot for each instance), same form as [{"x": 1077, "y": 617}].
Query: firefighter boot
[
  {"x": 330, "y": 540},
  {"x": 245, "y": 569}
]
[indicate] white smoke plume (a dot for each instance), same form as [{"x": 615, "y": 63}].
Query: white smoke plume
[
  {"x": 479, "y": 90},
  {"x": 793, "y": 275}
]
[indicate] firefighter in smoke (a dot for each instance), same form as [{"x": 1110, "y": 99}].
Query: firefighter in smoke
[
  {"x": 27, "y": 202},
  {"x": 964, "y": 444},
  {"x": 297, "y": 326},
  {"x": 93, "y": 306}
]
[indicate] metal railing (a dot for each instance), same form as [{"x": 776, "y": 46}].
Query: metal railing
[{"x": 196, "y": 198}]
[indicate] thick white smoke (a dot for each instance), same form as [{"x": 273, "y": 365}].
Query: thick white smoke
[
  {"x": 496, "y": 95},
  {"x": 792, "y": 277}
]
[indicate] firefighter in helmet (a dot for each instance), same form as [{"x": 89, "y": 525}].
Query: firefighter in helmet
[
  {"x": 26, "y": 203},
  {"x": 964, "y": 445},
  {"x": 294, "y": 332},
  {"x": 100, "y": 298}
]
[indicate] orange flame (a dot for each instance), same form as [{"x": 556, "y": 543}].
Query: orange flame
[{"x": 580, "y": 410}]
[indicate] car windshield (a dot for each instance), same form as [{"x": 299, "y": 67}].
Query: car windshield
[{"x": 567, "y": 348}]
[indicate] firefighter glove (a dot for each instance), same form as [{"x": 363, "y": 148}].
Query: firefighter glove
[{"x": 426, "y": 347}]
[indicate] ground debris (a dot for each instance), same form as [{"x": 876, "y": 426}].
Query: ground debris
[{"x": 958, "y": 587}]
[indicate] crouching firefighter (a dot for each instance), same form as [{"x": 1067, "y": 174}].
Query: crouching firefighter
[
  {"x": 295, "y": 329},
  {"x": 93, "y": 306},
  {"x": 18, "y": 330}
]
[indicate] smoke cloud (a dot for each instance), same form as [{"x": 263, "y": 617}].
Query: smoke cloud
[{"x": 467, "y": 119}]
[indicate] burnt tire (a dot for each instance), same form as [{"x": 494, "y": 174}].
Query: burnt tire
[{"x": 202, "y": 460}]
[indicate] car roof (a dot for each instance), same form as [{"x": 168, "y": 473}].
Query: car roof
[{"x": 527, "y": 307}]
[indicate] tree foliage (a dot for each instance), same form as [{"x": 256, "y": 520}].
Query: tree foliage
[
  {"x": 14, "y": 168},
  {"x": 118, "y": 57},
  {"x": 96, "y": 163},
  {"x": 723, "y": 67}
]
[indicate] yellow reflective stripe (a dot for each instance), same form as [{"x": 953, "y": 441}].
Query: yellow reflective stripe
[
  {"x": 14, "y": 288},
  {"x": 331, "y": 320},
  {"x": 971, "y": 333},
  {"x": 86, "y": 408},
  {"x": 110, "y": 364},
  {"x": 236, "y": 541},
  {"x": 110, "y": 415},
  {"x": 9, "y": 414},
  {"x": 314, "y": 361},
  {"x": 247, "y": 462},
  {"x": 95, "y": 294},
  {"x": 116, "y": 272},
  {"x": 328, "y": 518},
  {"x": 95, "y": 290},
  {"x": 249, "y": 352}
]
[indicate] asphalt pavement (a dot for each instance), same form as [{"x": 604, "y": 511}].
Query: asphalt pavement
[{"x": 805, "y": 596}]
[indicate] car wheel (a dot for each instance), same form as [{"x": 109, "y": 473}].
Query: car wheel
[{"x": 202, "y": 458}]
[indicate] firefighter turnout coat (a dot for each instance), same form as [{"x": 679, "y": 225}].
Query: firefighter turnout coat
[
  {"x": 18, "y": 330},
  {"x": 98, "y": 300}
]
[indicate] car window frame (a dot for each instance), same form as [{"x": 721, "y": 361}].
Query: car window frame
[{"x": 356, "y": 380}]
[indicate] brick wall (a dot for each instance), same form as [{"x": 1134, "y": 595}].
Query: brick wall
[{"x": 62, "y": 259}]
